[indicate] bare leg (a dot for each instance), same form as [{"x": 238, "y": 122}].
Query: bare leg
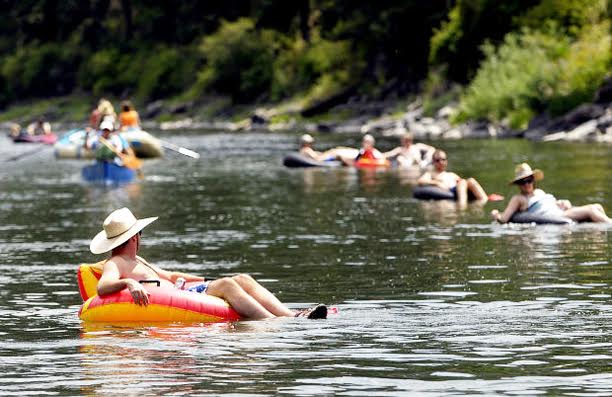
[
  {"x": 462, "y": 192},
  {"x": 591, "y": 212},
  {"x": 262, "y": 295},
  {"x": 476, "y": 189},
  {"x": 228, "y": 289}
]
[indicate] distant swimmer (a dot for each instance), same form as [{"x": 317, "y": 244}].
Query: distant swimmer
[
  {"x": 537, "y": 202},
  {"x": 411, "y": 154},
  {"x": 306, "y": 150},
  {"x": 450, "y": 181},
  {"x": 128, "y": 118}
]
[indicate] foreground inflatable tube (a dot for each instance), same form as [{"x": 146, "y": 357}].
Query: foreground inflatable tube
[
  {"x": 165, "y": 305},
  {"x": 70, "y": 146},
  {"x": 526, "y": 217}
]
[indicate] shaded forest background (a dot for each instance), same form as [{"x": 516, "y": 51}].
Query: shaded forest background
[{"x": 503, "y": 61}]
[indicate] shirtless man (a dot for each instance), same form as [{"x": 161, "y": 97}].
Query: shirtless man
[
  {"x": 450, "y": 181},
  {"x": 122, "y": 234},
  {"x": 410, "y": 153}
]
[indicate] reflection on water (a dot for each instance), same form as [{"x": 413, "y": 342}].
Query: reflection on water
[{"x": 433, "y": 299}]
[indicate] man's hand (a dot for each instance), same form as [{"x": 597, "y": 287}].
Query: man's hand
[{"x": 138, "y": 292}]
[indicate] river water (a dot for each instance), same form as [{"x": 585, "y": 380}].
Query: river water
[{"x": 432, "y": 300}]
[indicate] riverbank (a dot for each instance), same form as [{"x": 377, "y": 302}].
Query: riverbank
[{"x": 591, "y": 122}]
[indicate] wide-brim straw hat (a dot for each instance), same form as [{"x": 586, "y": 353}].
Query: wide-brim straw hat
[
  {"x": 523, "y": 171},
  {"x": 119, "y": 227}
]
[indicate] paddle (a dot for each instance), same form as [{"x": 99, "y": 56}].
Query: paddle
[
  {"x": 179, "y": 149},
  {"x": 128, "y": 161},
  {"x": 28, "y": 153}
]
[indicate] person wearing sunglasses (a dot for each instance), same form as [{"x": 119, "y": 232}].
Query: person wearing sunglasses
[
  {"x": 539, "y": 203},
  {"x": 451, "y": 182}
]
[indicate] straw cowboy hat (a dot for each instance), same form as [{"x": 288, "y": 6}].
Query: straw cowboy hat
[
  {"x": 119, "y": 227},
  {"x": 523, "y": 171}
]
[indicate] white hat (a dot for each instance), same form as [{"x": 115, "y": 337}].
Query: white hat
[
  {"x": 107, "y": 125},
  {"x": 119, "y": 227},
  {"x": 523, "y": 170}
]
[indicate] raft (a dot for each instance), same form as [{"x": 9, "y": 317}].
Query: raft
[
  {"x": 47, "y": 139},
  {"x": 526, "y": 217},
  {"x": 70, "y": 146},
  {"x": 107, "y": 173},
  {"x": 165, "y": 304},
  {"x": 296, "y": 160}
]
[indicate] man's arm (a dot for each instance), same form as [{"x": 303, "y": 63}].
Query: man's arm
[{"x": 110, "y": 282}]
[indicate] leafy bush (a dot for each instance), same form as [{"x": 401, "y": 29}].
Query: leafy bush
[
  {"x": 535, "y": 71},
  {"x": 317, "y": 69},
  {"x": 150, "y": 73},
  {"x": 239, "y": 61},
  {"x": 49, "y": 69}
]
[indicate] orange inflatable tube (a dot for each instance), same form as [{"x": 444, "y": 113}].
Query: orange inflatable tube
[
  {"x": 165, "y": 304},
  {"x": 372, "y": 163}
]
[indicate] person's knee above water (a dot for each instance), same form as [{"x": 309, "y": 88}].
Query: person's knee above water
[
  {"x": 128, "y": 118},
  {"x": 537, "y": 202},
  {"x": 449, "y": 181},
  {"x": 121, "y": 236},
  {"x": 411, "y": 154}
]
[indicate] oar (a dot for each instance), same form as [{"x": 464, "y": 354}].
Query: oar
[
  {"x": 128, "y": 161},
  {"x": 28, "y": 153},
  {"x": 179, "y": 149}
]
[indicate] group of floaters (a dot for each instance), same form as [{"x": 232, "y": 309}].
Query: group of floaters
[
  {"x": 38, "y": 131},
  {"x": 127, "y": 288},
  {"x": 531, "y": 205}
]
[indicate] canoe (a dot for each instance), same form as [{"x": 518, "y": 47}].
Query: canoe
[
  {"x": 47, "y": 139},
  {"x": 107, "y": 173},
  {"x": 165, "y": 304},
  {"x": 70, "y": 146}
]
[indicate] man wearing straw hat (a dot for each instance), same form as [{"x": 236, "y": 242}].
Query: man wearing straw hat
[
  {"x": 121, "y": 236},
  {"x": 540, "y": 203}
]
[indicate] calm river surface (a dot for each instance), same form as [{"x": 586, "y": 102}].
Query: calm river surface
[{"x": 432, "y": 300}]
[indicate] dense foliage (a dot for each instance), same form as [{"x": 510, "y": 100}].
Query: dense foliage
[{"x": 515, "y": 57}]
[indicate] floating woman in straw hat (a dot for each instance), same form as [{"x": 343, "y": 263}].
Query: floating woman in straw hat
[{"x": 538, "y": 202}]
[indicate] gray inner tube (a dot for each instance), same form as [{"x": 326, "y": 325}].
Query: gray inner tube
[
  {"x": 526, "y": 217},
  {"x": 296, "y": 160},
  {"x": 432, "y": 193}
]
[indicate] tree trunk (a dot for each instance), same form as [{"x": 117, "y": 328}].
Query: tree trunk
[
  {"x": 304, "y": 11},
  {"x": 126, "y": 7}
]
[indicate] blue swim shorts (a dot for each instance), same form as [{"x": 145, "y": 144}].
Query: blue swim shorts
[{"x": 199, "y": 288}]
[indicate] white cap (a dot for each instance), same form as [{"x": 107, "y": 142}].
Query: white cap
[{"x": 107, "y": 125}]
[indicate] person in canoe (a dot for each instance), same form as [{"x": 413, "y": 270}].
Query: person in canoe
[
  {"x": 538, "y": 202},
  {"x": 103, "y": 112},
  {"x": 411, "y": 154},
  {"x": 39, "y": 127},
  {"x": 109, "y": 138},
  {"x": 450, "y": 181},
  {"x": 121, "y": 235},
  {"x": 128, "y": 118}
]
